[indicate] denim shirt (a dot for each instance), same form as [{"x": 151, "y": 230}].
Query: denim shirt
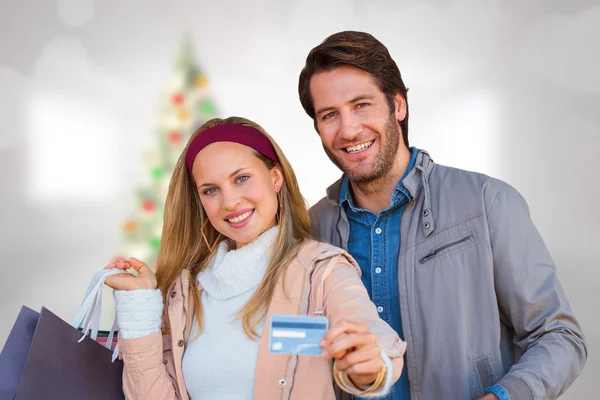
[{"x": 378, "y": 257}]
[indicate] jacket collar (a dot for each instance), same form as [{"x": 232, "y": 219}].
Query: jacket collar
[
  {"x": 417, "y": 179},
  {"x": 412, "y": 181}
]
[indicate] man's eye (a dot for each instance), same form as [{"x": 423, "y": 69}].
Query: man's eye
[
  {"x": 329, "y": 115},
  {"x": 242, "y": 178},
  {"x": 362, "y": 105}
]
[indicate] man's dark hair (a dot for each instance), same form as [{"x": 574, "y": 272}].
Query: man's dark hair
[{"x": 360, "y": 50}]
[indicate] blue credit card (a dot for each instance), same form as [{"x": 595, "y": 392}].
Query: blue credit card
[{"x": 295, "y": 334}]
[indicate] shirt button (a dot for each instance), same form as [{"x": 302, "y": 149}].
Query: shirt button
[
  {"x": 180, "y": 343},
  {"x": 282, "y": 382},
  {"x": 378, "y": 231},
  {"x": 377, "y": 270},
  {"x": 173, "y": 294},
  {"x": 380, "y": 309}
]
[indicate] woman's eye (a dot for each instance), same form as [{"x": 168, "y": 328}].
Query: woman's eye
[
  {"x": 242, "y": 178},
  {"x": 210, "y": 191}
]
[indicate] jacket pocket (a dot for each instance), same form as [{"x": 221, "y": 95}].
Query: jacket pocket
[
  {"x": 446, "y": 248},
  {"x": 484, "y": 371}
]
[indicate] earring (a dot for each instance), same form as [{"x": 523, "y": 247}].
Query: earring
[
  {"x": 210, "y": 247},
  {"x": 280, "y": 207}
]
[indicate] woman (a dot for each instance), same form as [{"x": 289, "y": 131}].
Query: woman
[{"x": 235, "y": 250}]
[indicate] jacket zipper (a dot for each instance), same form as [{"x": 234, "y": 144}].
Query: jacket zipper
[{"x": 432, "y": 254}]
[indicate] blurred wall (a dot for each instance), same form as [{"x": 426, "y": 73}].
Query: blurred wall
[{"x": 506, "y": 88}]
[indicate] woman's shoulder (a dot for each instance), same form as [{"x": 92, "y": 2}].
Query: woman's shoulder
[
  {"x": 312, "y": 249},
  {"x": 314, "y": 252}
]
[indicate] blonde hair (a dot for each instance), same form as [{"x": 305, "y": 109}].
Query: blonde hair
[{"x": 182, "y": 245}]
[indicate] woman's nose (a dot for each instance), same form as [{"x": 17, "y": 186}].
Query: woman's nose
[{"x": 231, "y": 200}]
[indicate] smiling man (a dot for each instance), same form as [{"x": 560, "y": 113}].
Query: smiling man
[{"x": 450, "y": 258}]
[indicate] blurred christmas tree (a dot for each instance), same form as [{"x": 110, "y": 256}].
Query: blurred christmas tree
[{"x": 186, "y": 105}]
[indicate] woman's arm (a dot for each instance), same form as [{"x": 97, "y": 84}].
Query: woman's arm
[
  {"x": 358, "y": 339},
  {"x": 148, "y": 371},
  {"x": 142, "y": 346}
]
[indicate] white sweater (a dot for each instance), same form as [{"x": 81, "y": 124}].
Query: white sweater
[{"x": 221, "y": 362}]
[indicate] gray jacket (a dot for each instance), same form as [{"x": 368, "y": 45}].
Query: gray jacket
[{"x": 479, "y": 296}]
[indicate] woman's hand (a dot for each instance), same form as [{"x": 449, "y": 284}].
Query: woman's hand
[
  {"x": 126, "y": 281},
  {"x": 355, "y": 350}
]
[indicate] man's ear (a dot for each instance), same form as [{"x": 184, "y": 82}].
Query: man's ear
[{"x": 399, "y": 107}]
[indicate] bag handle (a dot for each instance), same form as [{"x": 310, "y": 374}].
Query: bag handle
[{"x": 88, "y": 316}]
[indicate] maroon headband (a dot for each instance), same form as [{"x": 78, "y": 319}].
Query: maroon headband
[{"x": 230, "y": 133}]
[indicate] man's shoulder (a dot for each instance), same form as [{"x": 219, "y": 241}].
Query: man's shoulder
[
  {"x": 462, "y": 175},
  {"x": 322, "y": 218},
  {"x": 322, "y": 206},
  {"x": 448, "y": 180},
  {"x": 323, "y": 215}
]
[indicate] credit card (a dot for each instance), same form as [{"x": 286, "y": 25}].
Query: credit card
[{"x": 296, "y": 334}]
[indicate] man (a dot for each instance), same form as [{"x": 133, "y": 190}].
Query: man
[{"x": 450, "y": 258}]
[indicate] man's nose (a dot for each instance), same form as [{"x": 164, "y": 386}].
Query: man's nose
[{"x": 350, "y": 127}]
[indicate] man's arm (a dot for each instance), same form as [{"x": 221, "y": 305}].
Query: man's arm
[{"x": 532, "y": 301}]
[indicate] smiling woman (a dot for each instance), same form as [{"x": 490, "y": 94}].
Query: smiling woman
[
  {"x": 238, "y": 185},
  {"x": 236, "y": 250}
]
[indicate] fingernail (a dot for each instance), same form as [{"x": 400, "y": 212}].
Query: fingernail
[{"x": 325, "y": 354}]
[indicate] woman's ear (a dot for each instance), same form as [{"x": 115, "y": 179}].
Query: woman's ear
[{"x": 277, "y": 178}]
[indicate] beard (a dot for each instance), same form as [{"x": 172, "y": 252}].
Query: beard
[{"x": 383, "y": 161}]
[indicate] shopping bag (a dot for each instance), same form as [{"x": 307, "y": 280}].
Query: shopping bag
[
  {"x": 61, "y": 367},
  {"x": 103, "y": 339},
  {"x": 15, "y": 352},
  {"x": 47, "y": 358}
]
